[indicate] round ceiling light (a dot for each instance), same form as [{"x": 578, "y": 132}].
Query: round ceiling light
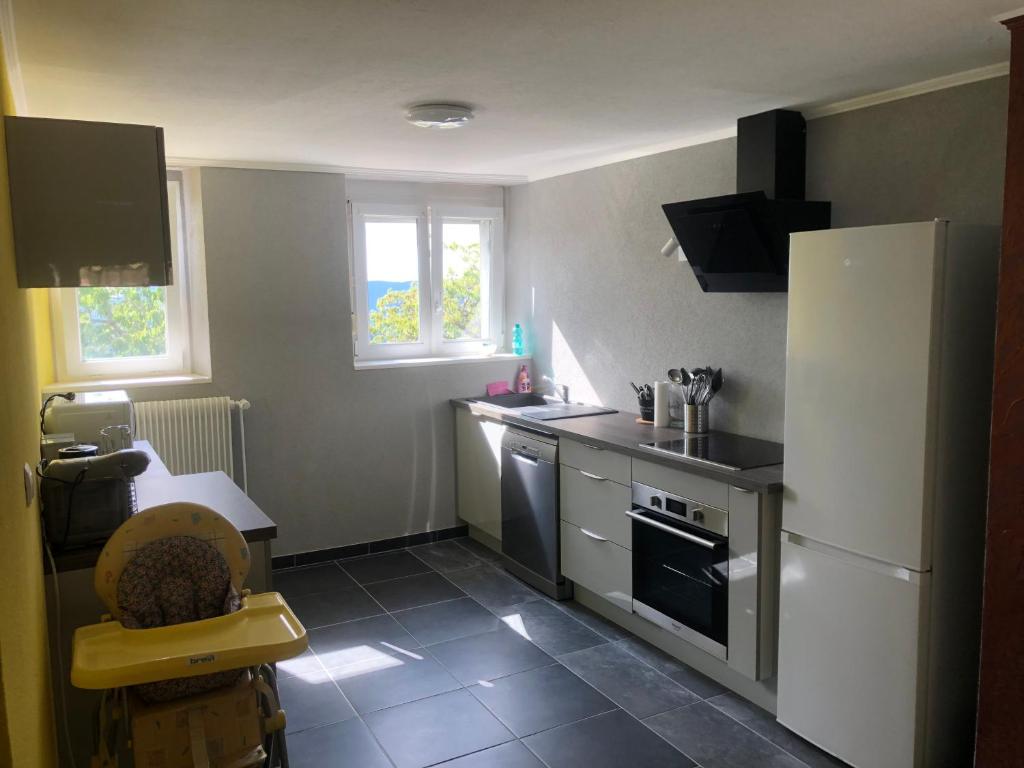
[{"x": 439, "y": 116}]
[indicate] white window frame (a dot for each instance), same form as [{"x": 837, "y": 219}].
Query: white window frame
[
  {"x": 429, "y": 219},
  {"x": 70, "y": 365},
  {"x": 361, "y": 213}
]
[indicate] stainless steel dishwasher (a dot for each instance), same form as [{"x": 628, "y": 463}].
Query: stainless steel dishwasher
[{"x": 530, "y": 535}]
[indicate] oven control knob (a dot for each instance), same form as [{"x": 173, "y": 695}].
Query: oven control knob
[{"x": 698, "y": 515}]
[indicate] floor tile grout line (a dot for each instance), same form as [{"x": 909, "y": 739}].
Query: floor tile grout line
[
  {"x": 390, "y": 615},
  {"x": 500, "y": 573},
  {"x": 656, "y": 672},
  {"x": 366, "y": 591},
  {"x": 429, "y": 572},
  {"x": 425, "y": 649},
  {"x": 384, "y": 611},
  {"x": 543, "y": 762},
  {"x": 341, "y": 563},
  {"x": 463, "y": 596},
  {"x": 555, "y": 659},
  {"x": 644, "y": 661},
  {"x": 448, "y": 570},
  {"x": 306, "y": 567},
  {"x": 543, "y": 730},
  {"x": 479, "y": 682},
  {"x": 677, "y": 749},
  {"x": 356, "y": 713},
  {"x": 465, "y": 687},
  {"x": 607, "y": 641},
  {"x": 583, "y": 720},
  {"x": 737, "y": 720},
  {"x": 483, "y": 558}
]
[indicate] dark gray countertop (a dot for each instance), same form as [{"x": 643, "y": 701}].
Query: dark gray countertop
[
  {"x": 621, "y": 432},
  {"x": 158, "y": 486}
]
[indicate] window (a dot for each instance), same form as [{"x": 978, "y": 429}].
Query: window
[
  {"x": 102, "y": 332},
  {"x": 428, "y": 280}
]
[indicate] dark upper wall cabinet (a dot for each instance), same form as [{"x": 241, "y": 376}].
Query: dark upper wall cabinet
[{"x": 88, "y": 202}]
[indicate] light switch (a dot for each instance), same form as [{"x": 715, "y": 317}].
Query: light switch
[{"x": 30, "y": 484}]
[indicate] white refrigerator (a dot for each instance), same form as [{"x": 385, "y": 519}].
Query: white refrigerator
[{"x": 888, "y": 389}]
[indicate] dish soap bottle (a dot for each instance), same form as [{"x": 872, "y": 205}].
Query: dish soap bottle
[
  {"x": 517, "y": 340},
  {"x": 523, "y": 383}
]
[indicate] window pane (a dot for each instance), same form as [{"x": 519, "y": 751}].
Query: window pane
[
  {"x": 461, "y": 266},
  {"x": 122, "y": 322},
  {"x": 392, "y": 277}
]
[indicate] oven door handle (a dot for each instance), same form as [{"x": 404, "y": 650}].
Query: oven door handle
[{"x": 669, "y": 529}]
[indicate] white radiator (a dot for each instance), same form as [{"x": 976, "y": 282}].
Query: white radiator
[{"x": 193, "y": 435}]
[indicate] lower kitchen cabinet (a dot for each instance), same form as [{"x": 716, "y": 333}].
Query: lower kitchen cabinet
[
  {"x": 597, "y": 504},
  {"x": 478, "y": 471},
  {"x": 598, "y": 564}
]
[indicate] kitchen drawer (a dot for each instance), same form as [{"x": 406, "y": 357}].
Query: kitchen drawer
[
  {"x": 597, "y": 504},
  {"x": 598, "y": 564},
  {"x": 598, "y": 461},
  {"x": 682, "y": 483}
]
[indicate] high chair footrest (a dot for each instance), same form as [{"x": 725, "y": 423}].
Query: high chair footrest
[{"x": 263, "y": 631}]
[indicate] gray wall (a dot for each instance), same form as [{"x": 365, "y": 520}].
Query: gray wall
[
  {"x": 336, "y": 456},
  {"x": 602, "y": 307}
]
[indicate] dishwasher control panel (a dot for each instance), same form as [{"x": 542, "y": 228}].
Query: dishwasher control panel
[{"x": 535, "y": 447}]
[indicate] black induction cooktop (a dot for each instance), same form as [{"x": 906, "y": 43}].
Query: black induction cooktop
[{"x": 720, "y": 449}]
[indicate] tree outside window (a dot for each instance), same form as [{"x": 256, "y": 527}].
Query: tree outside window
[{"x": 395, "y": 319}]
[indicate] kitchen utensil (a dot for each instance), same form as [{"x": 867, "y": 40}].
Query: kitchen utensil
[
  {"x": 645, "y": 399},
  {"x": 675, "y": 376}
]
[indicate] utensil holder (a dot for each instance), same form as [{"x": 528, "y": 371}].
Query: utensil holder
[
  {"x": 647, "y": 412},
  {"x": 696, "y": 419}
]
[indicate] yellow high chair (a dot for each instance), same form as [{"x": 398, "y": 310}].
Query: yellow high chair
[{"x": 184, "y": 658}]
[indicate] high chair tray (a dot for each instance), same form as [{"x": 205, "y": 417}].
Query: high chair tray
[{"x": 264, "y": 630}]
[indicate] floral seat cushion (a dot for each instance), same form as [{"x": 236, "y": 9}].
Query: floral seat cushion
[{"x": 176, "y": 580}]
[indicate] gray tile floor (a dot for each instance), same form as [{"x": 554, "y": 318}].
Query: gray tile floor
[{"x": 435, "y": 655}]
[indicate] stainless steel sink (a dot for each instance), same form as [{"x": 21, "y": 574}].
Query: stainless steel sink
[
  {"x": 513, "y": 400},
  {"x": 530, "y": 405}
]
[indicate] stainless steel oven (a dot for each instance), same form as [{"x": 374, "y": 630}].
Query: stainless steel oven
[{"x": 681, "y": 566}]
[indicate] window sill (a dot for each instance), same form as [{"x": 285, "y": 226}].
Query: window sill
[
  {"x": 419, "y": 362},
  {"x": 127, "y": 382}
]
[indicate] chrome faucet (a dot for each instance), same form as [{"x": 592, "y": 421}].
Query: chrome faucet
[{"x": 562, "y": 390}]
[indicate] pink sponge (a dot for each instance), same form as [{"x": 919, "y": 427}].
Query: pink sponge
[{"x": 498, "y": 388}]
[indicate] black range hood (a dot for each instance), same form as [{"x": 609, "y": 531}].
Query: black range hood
[{"x": 740, "y": 243}]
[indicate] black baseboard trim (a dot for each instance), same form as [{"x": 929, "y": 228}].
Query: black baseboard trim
[{"x": 367, "y": 548}]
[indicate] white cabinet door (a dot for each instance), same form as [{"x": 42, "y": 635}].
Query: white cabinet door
[
  {"x": 599, "y": 564},
  {"x": 860, "y": 388},
  {"x": 850, "y": 634},
  {"x": 478, "y": 470}
]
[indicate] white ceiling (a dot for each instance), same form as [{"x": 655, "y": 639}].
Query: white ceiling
[{"x": 558, "y": 84}]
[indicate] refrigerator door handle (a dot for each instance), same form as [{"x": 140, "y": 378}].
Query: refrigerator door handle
[{"x": 853, "y": 558}]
